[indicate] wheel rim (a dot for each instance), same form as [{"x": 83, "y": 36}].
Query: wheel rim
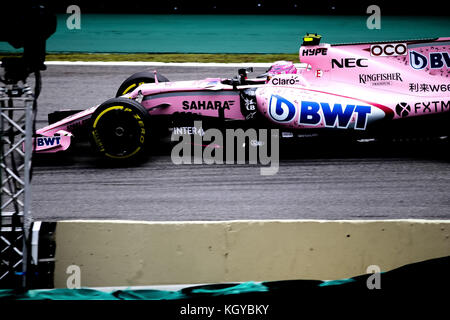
[
  {"x": 132, "y": 86},
  {"x": 119, "y": 132}
]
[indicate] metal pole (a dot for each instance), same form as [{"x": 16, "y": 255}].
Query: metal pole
[{"x": 27, "y": 217}]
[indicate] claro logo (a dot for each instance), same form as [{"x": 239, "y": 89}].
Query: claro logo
[{"x": 388, "y": 50}]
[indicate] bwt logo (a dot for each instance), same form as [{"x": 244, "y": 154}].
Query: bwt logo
[
  {"x": 436, "y": 60},
  {"x": 281, "y": 109},
  {"x": 336, "y": 117},
  {"x": 48, "y": 141},
  {"x": 313, "y": 113}
]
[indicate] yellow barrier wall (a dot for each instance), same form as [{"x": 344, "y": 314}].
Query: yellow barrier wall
[{"x": 129, "y": 253}]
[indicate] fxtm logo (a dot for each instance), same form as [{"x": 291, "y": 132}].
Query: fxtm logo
[
  {"x": 388, "y": 50},
  {"x": 313, "y": 113},
  {"x": 436, "y": 60},
  {"x": 403, "y": 109},
  {"x": 207, "y": 105},
  {"x": 349, "y": 63}
]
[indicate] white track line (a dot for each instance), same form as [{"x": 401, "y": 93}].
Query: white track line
[{"x": 166, "y": 64}]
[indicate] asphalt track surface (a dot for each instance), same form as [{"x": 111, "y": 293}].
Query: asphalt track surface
[{"x": 357, "y": 182}]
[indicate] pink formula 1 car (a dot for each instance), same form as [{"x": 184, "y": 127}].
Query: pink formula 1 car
[{"x": 382, "y": 89}]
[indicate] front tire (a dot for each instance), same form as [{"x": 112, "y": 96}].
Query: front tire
[{"x": 119, "y": 129}]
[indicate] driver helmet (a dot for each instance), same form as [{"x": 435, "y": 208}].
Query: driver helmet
[{"x": 281, "y": 67}]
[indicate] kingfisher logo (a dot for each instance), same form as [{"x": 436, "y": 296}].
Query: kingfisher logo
[
  {"x": 48, "y": 141},
  {"x": 314, "y": 113},
  {"x": 436, "y": 60}
]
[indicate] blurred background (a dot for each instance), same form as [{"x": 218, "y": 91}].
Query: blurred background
[{"x": 252, "y": 26}]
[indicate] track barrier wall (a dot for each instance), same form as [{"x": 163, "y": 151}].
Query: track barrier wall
[{"x": 134, "y": 253}]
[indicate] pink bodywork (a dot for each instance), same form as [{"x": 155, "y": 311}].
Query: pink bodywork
[
  {"x": 337, "y": 86},
  {"x": 393, "y": 79},
  {"x": 202, "y": 97}
]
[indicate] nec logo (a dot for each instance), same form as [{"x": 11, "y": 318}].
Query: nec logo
[
  {"x": 314, "y": 52},
  {"x": 349, "y": 63}
]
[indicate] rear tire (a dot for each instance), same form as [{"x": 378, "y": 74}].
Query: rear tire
[
  {"x": 136, "y": 80},
  {"x": 119, "y": 130}
]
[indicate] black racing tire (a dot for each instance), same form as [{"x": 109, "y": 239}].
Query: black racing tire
[
  {"x": 119, "y": 130},
  {"x": 135, "y": 80}
]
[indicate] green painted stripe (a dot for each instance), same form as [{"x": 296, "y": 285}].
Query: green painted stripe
[{"x": 228, "y": 33}]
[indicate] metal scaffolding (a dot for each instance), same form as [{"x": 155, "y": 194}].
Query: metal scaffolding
[{"x": 16, "y": 130}]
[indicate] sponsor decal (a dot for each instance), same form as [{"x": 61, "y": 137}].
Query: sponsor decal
[
  {"x": 207, "y": 105},
  {"x": 188, "y": 130},
  {"x": 315, "y": 52},
  {"x": 349, "y": 63},
  {"x": 425, "y": 87},
  {"x": 402, "y": 109},
  {"x": 293, "y": 80},
  {"x": 435, "y": 60},
  {"x": 432, "y": 106},
  {"x": 313, "y": 113},
  {"x": 336, "y": 117},
  {"x": 319, "y": 73},
  {"x": 281, "y": 109},
  {"x": 380, "y": 78},
  {"x": 388, "y": 50},
  {"x": 48, "y": 141},
  {"x": 248, "y": 103}
]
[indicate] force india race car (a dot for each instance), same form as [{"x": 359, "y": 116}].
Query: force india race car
[{"x": 363, "y": 90}]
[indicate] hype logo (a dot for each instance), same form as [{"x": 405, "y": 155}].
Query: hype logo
[{"x": 281, "y": 109}]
